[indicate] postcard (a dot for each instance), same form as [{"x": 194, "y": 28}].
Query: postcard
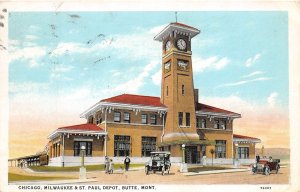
[{"x": 128, "y": 96}]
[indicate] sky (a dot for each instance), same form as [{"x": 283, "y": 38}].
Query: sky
[{"x": 61, "y": 63}]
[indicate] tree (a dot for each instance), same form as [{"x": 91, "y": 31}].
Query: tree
[{"x": 212, "y": 152}]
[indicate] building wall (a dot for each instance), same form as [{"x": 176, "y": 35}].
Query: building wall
[
  {"x": 135, "y": 117},
  {"x": 220, "y": 135},
  {"x": 135, "y": 132},
  {"x": 251, "y": 149},
  {"x": 210, "y": 122},
  {"x": 97, "y": 145}
]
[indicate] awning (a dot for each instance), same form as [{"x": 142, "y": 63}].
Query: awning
[{"x": 188, "y": 142}]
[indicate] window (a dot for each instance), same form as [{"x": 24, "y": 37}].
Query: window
[
  {"x": 121, "y": 145},
  {"x": 187, "y": 119},
  {"x": 86, "y": 144},
  {"x": 223, "y": 124},
  {"x": 203, "y": 123},
  {"x": 153, "y": 119},
  {"x": 144, "y": 119},
  {"x": 126, "y": 117},
  {"x": 217, "y": 124},
  {"x": 148, "y": 145},
  {"x": 198, "y": 122},
  {"x": 243, "y": 152},
  {"x": 180, "y": 117},
  {"x": 117, "y": 116},
  {"x": 182, "y": 89},
  {"x": 167, "y": 90},
  {"x": 220, "y": 149}
]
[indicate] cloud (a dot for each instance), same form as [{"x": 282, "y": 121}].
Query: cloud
[
  {"x": 31, "y": 37},
  {"x": 211, "y": 63},
  {"x": 156, "y": 78},
  {"x": 254, "y": 74},
  {"x": 122, "y": 46},
  {"x": 31, "y": 54},
  {"x": 250, "y": 61},
  {"x": 245, "y": 82},
  {"x": 272, "y": 99},
  {"x": 62, "y": 68},
  {"x": 26, "y": 87},
  {"x": 132, "y": 85}
]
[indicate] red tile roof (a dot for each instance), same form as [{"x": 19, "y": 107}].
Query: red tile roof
[
  {"x": 208, "y": 108},
  {"x": 155, "y": 101},
  {"x": 82, "y": 127},
  {"x": 184, "y": 25},
  {"x": 235, "y": 136},
  {"x": 135, "y": 100}
]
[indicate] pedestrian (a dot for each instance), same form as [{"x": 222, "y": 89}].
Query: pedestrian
[
  {"x": 257, "y": 158},
  {"x": 127, "y": 163},
  {"x": 111, "y": 166},
  {"x": 106, "y": 164}
]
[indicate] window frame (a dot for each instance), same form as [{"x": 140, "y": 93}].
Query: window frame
[
  {"x": 187, "y": 119},
  {"x": 88, "y": 148},
  {"x": 146, "y": 122},
  {"x": 117, "y": 112},
  {"x": 180, "y": 119},
  {"x": 148, "y": 144},
  {"x": 125, "y": 118},
  {"x": 122, "y": 145},
  {"x": 155, "y": 119},
  {"x": 220, "y": 149}
]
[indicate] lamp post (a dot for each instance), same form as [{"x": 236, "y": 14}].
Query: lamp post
[
  {"x": 183, "y": 166},
  {"x": 82, "y": 169},
  {"x": 236, "y": 162}
]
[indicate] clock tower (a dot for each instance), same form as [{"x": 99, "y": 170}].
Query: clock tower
[{"x": 177, "y": 89}]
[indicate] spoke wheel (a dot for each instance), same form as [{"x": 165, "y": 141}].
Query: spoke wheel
[{"x": 267, "y": 171}]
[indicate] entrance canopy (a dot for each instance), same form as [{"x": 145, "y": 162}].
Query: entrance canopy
[{"x": 189, "y": 142}]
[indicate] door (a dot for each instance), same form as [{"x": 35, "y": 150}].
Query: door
[{"x": 191, "y": 154}]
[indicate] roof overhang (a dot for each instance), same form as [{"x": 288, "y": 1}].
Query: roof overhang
[
  {"x": 188, "y": 142},
  {"x": 111, "y": 106},
  {"x": 59, "y": 132},
  {"x": 246, "y": 140},
  {"x": 212, "y": 114},
  {"x": 188, "y": 31}
]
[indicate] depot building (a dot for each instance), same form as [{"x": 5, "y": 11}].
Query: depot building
[{"x": 136, "y": 125}]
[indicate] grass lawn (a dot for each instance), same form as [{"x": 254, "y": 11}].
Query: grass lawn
[
  {"x": 76, "y": 168},
  {"x": 17, "y": 177},
  {"x": 206, "y": 168}
]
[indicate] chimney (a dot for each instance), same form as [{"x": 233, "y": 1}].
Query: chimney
[{"x": 196, "y": 95}]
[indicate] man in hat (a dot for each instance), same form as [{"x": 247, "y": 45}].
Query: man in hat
[{"x": 127, "y": 162}]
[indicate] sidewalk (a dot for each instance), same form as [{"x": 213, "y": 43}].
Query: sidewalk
[{"x": 54, "y": 182}]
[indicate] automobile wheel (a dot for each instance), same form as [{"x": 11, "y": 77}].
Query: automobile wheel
[
  {"x": 277, "y": 169},
  {"x": 147, "y": 170},
  {"x": 267, "y": 170}
]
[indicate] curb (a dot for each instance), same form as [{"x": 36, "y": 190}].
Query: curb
[{"x": 215, "y": 172}]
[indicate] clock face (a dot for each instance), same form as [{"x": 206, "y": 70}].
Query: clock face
[
  {"x": 168, "y": 45},
  {"x": 181, "y": 44}
]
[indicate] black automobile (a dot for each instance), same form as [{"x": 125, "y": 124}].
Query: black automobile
[{"x": 160, "y": 161}]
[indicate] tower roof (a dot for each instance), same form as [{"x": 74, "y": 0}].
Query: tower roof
[{"x": 177, "y": 27}]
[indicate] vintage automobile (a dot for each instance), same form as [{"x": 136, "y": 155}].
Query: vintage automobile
[
  {"x": 160, "y": 161},
  {"x": 265, "y": 166}
]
